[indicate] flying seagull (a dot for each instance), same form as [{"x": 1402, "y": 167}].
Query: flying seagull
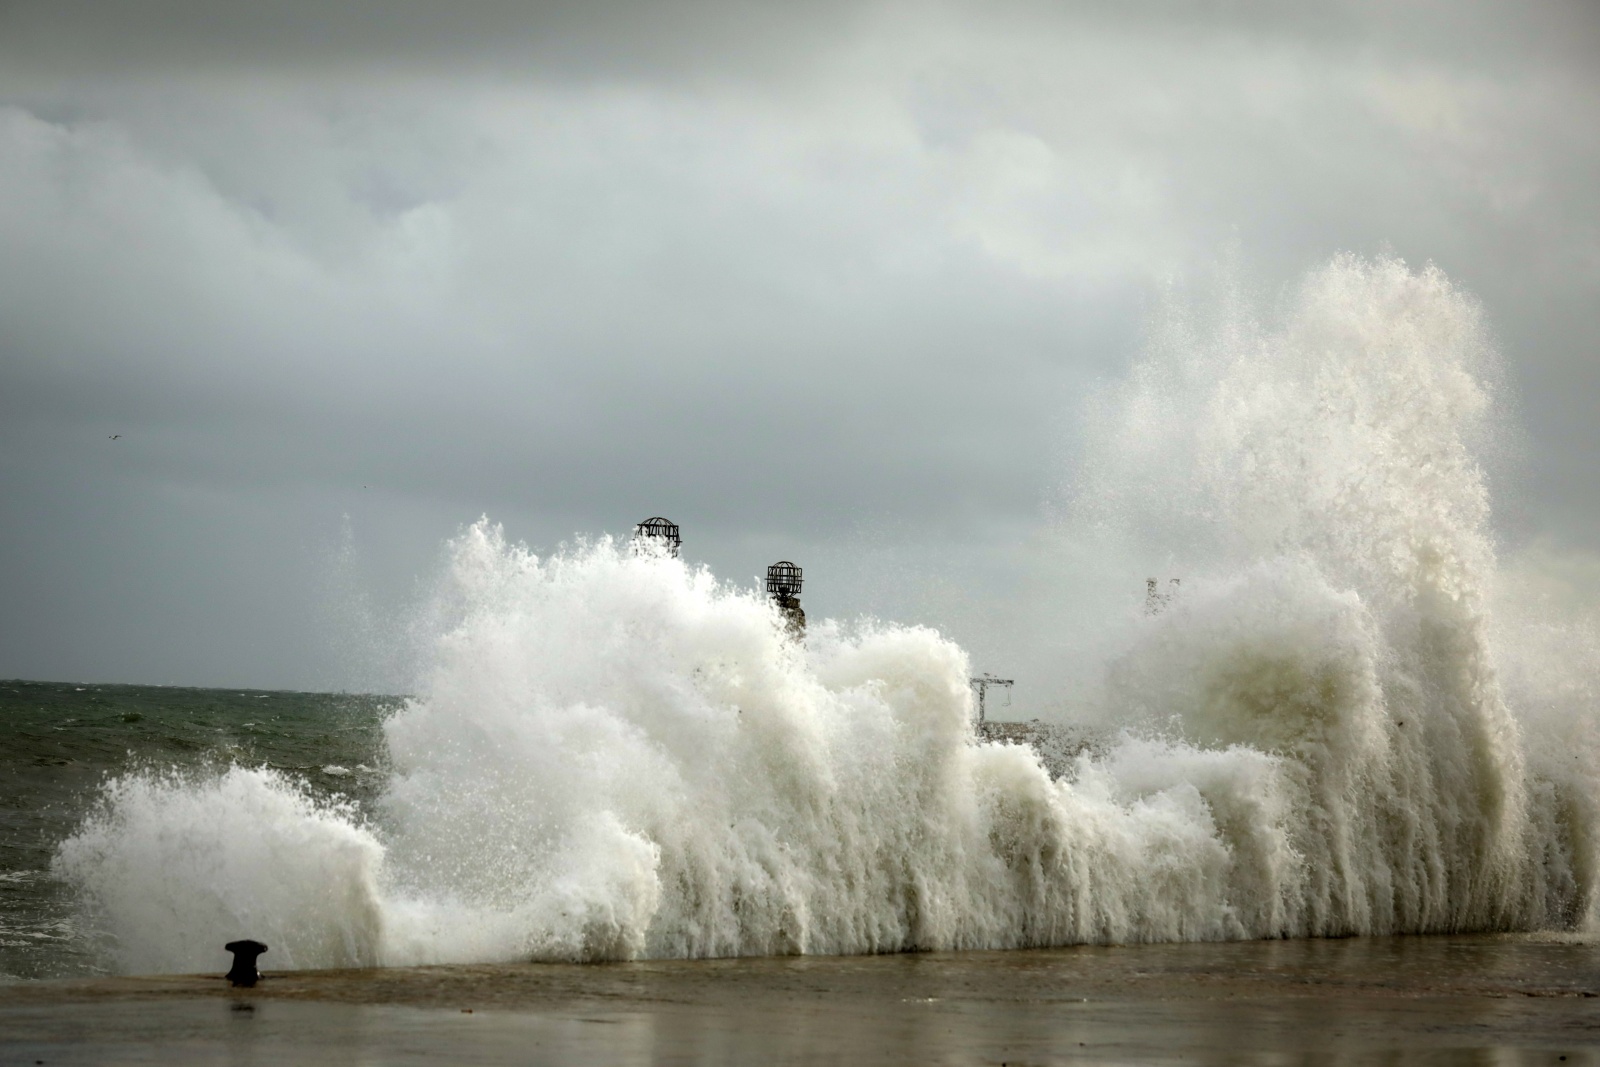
[{"x": 115, "y": 436}]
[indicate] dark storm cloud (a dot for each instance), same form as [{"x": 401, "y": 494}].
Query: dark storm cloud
[
  {"x": 575, "y": 40},
  {"x": 626, "y": 37},
  {"x": 809, "y": 279}
]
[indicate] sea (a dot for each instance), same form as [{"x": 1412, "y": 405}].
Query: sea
[
  {"x": 60, "y": 743},
  {"x": 1351, "y": 718}
]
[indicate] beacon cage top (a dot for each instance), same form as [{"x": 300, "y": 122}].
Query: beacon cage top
[
  {"x": 783, "y": 579},
  {"x": 661, "y": 530}
]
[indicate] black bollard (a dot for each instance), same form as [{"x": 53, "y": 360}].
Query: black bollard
[{"x": 244, "y": 961}]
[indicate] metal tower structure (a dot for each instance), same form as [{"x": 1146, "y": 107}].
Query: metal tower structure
[
  {"x": 658, "y": 531},
  {"x": 783, "y": 586},
  {"x": 982, "y": 683}
]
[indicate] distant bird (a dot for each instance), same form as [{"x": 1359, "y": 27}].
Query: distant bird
[{"x": 115, "y": 436}]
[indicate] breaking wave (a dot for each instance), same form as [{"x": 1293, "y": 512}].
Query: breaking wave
[{"x": 616, "y": 756}]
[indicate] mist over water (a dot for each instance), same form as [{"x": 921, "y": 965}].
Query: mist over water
[{"x": 613, "y": 755}]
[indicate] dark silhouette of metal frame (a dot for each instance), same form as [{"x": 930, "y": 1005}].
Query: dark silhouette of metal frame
[
  {"x": 982, "y": 683},
  {"x": 784, "y": 579},
  {"x": 661, "y": 530},
  {"x": 783, "y": 586}
]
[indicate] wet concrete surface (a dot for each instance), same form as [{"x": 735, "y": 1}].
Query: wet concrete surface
[{"x": 1411, "y": 1000}]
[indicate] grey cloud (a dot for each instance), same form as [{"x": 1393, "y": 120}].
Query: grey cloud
[
  {"x": 571, "y": 40},
  {"x": 619, "y": 37},
  {"x": 822, "y": 281}
]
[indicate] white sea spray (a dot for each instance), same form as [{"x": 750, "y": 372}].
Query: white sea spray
[{"x": 615, "y": 756}]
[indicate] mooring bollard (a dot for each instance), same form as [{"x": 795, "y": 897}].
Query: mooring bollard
[{"x": 244, "y": 971}]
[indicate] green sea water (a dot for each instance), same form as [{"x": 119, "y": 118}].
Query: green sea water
[{"x": 60, "y": 741}]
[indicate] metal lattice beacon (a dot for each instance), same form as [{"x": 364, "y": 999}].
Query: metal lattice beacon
[
  {"x": 659, "y": 534},
  {"x": 783, "y": 586}
]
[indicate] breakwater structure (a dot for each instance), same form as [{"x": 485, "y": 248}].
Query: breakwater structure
[{"x": 1057, "y": 745}]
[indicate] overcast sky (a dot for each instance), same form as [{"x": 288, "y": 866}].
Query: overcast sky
[{"x": 819, "y": 281}]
